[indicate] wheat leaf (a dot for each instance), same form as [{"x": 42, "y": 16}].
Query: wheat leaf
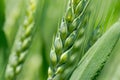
[
  {"x": 3, "y": 41},
  {"x": 112, "y": 67},
  {"x": 97, "y": 55}
]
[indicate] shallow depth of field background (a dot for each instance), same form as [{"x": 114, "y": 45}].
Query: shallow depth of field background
[{"x": 48, "y": 18}]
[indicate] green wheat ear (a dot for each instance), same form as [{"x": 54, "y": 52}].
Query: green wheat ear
[
  {"x": 65, "y": 38},
  {"x": 22, "y": 43}
]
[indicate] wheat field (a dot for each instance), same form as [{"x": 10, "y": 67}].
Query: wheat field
[{"x": 59, "y": 39}]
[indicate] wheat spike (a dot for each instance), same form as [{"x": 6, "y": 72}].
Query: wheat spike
[
  {"x": 65, "y": 38},
  {"x": 21, "y": 44}
]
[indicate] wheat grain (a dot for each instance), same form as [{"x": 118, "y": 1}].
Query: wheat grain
[
  {"x": 21, "y": 44},
  {"x": 76, "y": 54},
  {"x": 65, "y": 38}
]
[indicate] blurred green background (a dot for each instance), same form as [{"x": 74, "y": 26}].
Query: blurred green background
[
  {"x": 48, "y": 15},
  {"x": 103, "y": 13}
]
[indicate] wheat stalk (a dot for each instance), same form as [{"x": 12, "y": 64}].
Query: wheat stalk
[
  {"x": 65, "y": 38},
  {"x": 22, "y": 43}
]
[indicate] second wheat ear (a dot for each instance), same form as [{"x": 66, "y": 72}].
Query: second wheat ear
[
  {"x": 22, "y": 43},
  {"x": 65, "y": 38}
]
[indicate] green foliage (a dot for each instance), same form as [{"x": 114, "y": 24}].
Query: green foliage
[
  {"x": 67, "y": 45},
  {"x": 111, "y": 68},
  {"x": 2, "y": 13},
  {"x": 93, "y": 60},
  {"x": 3, "y": 41}
]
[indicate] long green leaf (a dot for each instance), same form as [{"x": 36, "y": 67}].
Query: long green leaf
[
  {"x": 3, "y": 41},
  {"x": 2, "y": 18},
  {"x": 3, "y": 53},
  {"x": 111, "y": 70},
  {"x": 95, "y": 57}
]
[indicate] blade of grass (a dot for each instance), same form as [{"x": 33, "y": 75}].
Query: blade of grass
[
  {"x": 93, "y": 60},
  {"x": 111, "y": 69},
  {"x": 3, "y": 41}
]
